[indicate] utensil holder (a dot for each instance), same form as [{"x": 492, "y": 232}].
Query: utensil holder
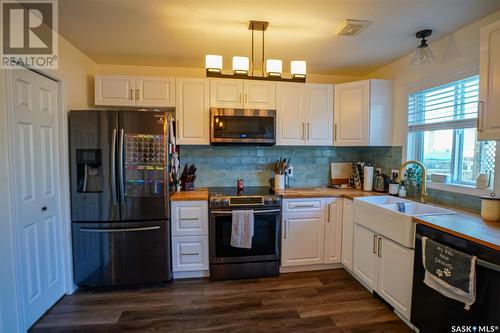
[{"x": 279, "y": 182}]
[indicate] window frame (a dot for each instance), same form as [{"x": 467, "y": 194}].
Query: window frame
[{"x": 416, "y": 138}]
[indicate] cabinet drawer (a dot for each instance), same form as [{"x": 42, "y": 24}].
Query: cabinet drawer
[
  {"x": 189, "y": 218},
  {"x": 303, "y": 205},
  {"x": 190, "y": 253}
]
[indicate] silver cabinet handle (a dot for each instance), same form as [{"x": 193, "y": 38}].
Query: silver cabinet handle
[
  {"x": 97, "y": 230},
  {"x": 131, "y": 95},
  {"x": 303, "y": 206},
  {"x": 137, "y": 94},
  {"x": 190, "y": 254},
  {"x": 189, "y": 219},
  {"x": 480, "y": 108},
  {"x": 329, "y": 211},
  {"x": 379, "y": 247},
  {"x": 241, "y": 97},
  {"x": 374, "y": 244},
  {"x": 121, "y": 166},
  {"x": 285, "y": 229},
  {"x": 113, "y": 168},
  {"x": 335, "y": 132},
  {"x": 303, "y": 135},
  {"x": 308, "y": 131},
  {"x": 246, "y": 98}
]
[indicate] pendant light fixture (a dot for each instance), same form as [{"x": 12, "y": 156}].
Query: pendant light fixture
[
  {"x": 423, "y": 54},
  {"x": 244, "y": 67}
]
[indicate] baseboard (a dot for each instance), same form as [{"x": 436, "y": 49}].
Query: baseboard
[
  {"x": 406, "y": 321},
  {"x": 305, "y": 268},
  {"x": 191, "y": 274}
]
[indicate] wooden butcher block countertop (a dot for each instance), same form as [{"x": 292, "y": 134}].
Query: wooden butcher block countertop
[
  {"x": 197, "y": 194},
  {"x": 319, "y": 192},
  {"x": 467, "y": 226}
]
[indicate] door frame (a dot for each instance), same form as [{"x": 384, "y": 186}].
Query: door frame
[{"x": 64, "y": 204}]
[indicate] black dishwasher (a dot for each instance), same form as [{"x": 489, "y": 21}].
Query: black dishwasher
[{"x": 432, "y": 312}]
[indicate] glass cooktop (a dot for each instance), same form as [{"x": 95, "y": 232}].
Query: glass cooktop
[{"x": 247, "y": 191}]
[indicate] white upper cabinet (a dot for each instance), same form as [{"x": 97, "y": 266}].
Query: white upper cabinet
[
  {"x": 319, "y": 114},
  {"x": 290, "y": 106},
  {"x": 489, "y": 83},
  {"x": 226, "y": 93},
  {"x": 259, "y": 94},
  {"x": 363, "y": 113},
  {"x": 304, "y": 114},
  {"x": 142, "y": 91},
  {"x": 155, "y": 91},
  {"x": 238, "y": 94},
  {"x": 192, "y": 112},
  {"x": 333, "y": 230},
  {"x": 116, "y": 90}
]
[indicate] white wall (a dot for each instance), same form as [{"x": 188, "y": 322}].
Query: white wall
[
  {"x": 77, "y": 72},
  {"x": 457, "y": 56}
]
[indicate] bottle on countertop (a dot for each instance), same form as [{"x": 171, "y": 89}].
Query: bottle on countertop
[{"x": 393, "y": 183}]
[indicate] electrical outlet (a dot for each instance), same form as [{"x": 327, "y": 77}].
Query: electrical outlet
[{"x": 290, "y": 171}]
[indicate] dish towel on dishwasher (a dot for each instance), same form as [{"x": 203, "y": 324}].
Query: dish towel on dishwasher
[
  {"x": 242, "y": 229},
  {"x": 450, "y": 272}
]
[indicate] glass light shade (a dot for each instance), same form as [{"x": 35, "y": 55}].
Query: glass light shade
[
  {"x": 298, "y": 68},
  {"x": 213, "y": 63},
  {"x": 240, "y": 65},
  {"x": 274, "y": 67},
  {"x": 423, "y": 55}
]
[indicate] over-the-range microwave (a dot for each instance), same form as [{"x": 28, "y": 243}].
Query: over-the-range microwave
[{"x": 242, "y": 126}]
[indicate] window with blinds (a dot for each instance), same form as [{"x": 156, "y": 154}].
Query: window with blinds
[
  {"x": 442, "y": 131},
  {"x": 453, "y": 105}
]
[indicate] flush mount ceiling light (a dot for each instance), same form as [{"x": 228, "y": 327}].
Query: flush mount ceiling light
[
  {"x": 423, "y": 54},
  {"x": 242, "y": 68}
]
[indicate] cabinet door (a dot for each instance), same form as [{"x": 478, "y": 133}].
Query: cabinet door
[
  {"x": 189, "y": 218},
  {"x": 351, "y": 113},
  {"x": 302, "y": 239},
  {"x": 290, "y": 105},
  {"x": 489, "y": 90},
  {"x": 395, "y": 275},
  {"x": 115, "y": 90},
  {"x": 192, "y": 112},
  {"x": 347, "y": 233},
  {"x": 259, "y": 94},
  {"x": 189, "y": 253},
  {"x": 364, "y": 256},
  {"x": 226, "y": 93},
  {"x": 319, "y": 114},
  {"x": 333, "y": 230},
  {"x": 155, "y": 91}
]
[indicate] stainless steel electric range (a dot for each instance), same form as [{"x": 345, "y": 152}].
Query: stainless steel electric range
[{"x": 263, "y": 258}]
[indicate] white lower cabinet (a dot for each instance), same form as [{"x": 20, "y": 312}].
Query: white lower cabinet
[
  {"x": 347, "y": 233},
  {"x": 189, "y": 238},
  {"x": 384, "y": 266},
  {"x": 311, "y": 231}
]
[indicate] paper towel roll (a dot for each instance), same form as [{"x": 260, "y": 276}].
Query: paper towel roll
[{"x": 368, "y": 178}]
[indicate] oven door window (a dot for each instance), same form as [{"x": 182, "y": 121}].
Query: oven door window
[
  {"x": 264, "y": 242},
  {"x": 241, "y": 127}
]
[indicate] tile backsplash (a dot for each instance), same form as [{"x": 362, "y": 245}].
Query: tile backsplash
[{"x": 223, "y": 165}]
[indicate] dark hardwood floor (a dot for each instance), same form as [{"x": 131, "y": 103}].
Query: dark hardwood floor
[{"x": 321, "y": 301}]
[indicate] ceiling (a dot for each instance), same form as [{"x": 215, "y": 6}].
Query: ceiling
[{"x": 179, "y": 33}]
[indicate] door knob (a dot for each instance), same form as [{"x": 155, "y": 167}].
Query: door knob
[{"x": 44, "y": 208}]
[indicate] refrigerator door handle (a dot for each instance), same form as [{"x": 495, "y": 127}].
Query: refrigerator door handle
[
  {"x": 113, "y": 168},
  {"x": 118, "y": 229},
  {"x": 120, "y": 165}
]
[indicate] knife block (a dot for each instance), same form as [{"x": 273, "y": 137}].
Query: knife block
[{"x": 187, "y": 186}]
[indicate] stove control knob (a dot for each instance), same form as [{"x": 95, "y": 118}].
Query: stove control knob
[{"x": 224, "y": 202}]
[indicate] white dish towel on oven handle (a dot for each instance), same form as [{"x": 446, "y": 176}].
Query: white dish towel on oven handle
[{"x": 242, "y": 228}]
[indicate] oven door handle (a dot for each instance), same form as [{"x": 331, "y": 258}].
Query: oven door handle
[{"x": 229, "y": 212}]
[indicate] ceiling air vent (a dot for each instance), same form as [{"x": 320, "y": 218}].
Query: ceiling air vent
[{"x": 352, "y": 27}]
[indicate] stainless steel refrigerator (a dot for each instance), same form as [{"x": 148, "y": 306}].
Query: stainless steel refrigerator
[{"x": 120, "y": 197}]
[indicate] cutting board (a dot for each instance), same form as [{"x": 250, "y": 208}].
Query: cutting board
[{"x": 341, "y": 172}]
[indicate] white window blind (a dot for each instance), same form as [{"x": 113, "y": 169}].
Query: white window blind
[{"x": 450, "y": 106}]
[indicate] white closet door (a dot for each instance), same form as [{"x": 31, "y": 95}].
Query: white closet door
[{"x": 35, "y": 141}]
